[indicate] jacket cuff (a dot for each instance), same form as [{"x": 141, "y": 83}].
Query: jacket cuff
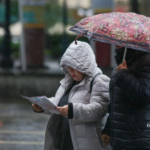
[
  {"x": 70, "y": 110},
  {"x": 122, "y": 71}
]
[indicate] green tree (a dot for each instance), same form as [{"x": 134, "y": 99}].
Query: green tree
[
  {"x": 52, "y": 13},
  {"x": 14, "y": 12}
]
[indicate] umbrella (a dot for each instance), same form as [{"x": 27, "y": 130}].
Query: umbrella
[{"x": 123, "y": 29}]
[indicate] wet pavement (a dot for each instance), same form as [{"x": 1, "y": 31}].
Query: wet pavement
[{"x": 20, "y": 127}]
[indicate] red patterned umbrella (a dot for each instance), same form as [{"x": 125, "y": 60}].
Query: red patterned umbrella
[{"x": 123, "y": 29}]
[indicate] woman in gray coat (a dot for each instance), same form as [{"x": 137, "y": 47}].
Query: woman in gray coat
[{"x": 82, "y": 100}]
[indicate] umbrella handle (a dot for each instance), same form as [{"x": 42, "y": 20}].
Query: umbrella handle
[
  {"x": 124, "y": 55},
  {"x": 78, "y": 37}
]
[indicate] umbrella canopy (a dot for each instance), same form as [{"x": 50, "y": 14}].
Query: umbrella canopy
[{"x": 123, "y": 29}]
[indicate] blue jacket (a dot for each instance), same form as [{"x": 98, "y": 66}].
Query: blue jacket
[{"x": 129, "y": 120}]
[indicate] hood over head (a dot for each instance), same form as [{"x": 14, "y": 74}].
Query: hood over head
[{"x": 80, "y": 57}]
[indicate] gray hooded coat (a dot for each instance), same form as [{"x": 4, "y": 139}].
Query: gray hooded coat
[{"x": 89, "y": 108}]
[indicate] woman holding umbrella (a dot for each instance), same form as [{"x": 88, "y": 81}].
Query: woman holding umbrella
[{"x": 127, "y": 126}]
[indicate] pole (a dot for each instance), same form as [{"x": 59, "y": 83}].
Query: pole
[
  {"x": 6, "y": 61},
  {"x": 65, "y": 22},
  {"x": 113, "y": 62},
  {"x": 22, "y": 47}
]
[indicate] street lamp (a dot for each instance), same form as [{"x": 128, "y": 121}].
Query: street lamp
[{"x": 6, "y": 61}]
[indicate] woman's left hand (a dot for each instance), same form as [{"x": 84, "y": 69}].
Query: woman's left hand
[
  {"x": 122, "y": 66},
  {"x": 63, "y": 110}
]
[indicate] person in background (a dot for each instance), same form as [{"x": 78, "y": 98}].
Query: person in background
[
  {"x": 82, "y": 100},
  {"x": 127, "y": 124}
]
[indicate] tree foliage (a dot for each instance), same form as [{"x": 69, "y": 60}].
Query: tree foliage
[
  {"x": 53, "y": 12},
  {"x": 14, "y": 12}
]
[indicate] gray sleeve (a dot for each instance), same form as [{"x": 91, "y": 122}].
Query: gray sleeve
[{"x": 99, "y": 101}]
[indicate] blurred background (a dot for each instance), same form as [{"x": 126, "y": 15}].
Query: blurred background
[{"x": 33, "y": 36}]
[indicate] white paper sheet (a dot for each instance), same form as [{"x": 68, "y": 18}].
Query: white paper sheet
[{"x": 43, "y": 102}]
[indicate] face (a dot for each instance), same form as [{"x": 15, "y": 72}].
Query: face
[{"x": 76, "y": 75}]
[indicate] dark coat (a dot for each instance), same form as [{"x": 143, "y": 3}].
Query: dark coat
[{"x": 128, "y": 123}]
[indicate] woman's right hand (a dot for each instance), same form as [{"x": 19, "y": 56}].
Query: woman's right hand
[
  {"x": 105, "y": 138},
  {"x": 36, "y": 108}
]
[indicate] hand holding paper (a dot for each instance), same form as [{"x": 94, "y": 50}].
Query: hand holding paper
[{"x": 36, "y": 108}]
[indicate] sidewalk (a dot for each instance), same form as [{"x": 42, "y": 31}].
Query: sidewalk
[{"x": 21, "y": 128}]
